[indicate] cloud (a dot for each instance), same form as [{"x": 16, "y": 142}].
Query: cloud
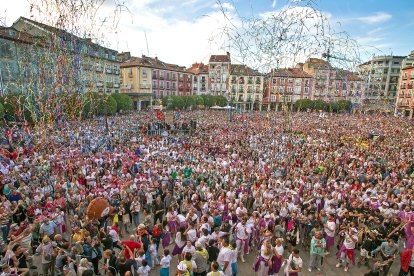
[
  {"x": 179, "y": 32},
  {"x": 226, "y": 6},
  {"x": 378, "y": 17},
  {"x": 274, "y": 3}
]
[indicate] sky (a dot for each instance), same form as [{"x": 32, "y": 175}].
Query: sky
[{"x": 187, "y": 31}]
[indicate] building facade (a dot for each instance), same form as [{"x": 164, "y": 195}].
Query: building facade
[
  {"x": 246, "y": 87},
  {"x": 286, "y": 86},
  {"x": 381, "y": 75},
  {"x": 92, "y": 68},
  {"x": 148, "y": 79},
  {"x": 405, "y": 102},
  {"x": 218, "y": 73},
  {"x": 199, "y": 72}
]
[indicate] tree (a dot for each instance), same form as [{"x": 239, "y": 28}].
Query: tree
[
  {"x": 123, "y": 101},
  {"x": 99, "y": 105},
  {"x": 302, "y": 104},
  {"x": 344, "y": 105},
  {"x": 2, "y": 110},
  {"x": 220, "y": 100}
]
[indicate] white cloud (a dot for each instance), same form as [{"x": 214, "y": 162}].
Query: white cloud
[
  {"x": 274, "y": 3},
  {"x": 173, "y": 33},
  {"x": 378, "y": 17},
  {"x": 225, "y": 6}
]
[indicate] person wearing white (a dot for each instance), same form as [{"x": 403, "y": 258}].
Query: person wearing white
[
  {"x": 242, "y": 236},
  {"x": 224, "y": 258},
  {"x": 294, "y": 264},
  {"x": 348, "y": 248}
]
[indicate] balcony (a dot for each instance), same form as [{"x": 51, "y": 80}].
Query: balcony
[
  {"x": 161, "y": 77},
  {"x": 144, "y": 86},
  {"x": 98, "y": 68},
  {"x": 108, "y": 70},
  {"x": 410, "y": 86},
  {"x": 155, "y": 86},
  {"x": 116, "y": 85},
  {"x": 99, "y": 83}
]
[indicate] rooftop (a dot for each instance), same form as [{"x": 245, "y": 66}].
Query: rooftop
[
  {"x": 289, "y": 72},
  {"x": 150, "y": 62},
  {"x": 220, "y": 58},
  {"x": 243, "y": 70},
  {"x": 198, "y": 68}
]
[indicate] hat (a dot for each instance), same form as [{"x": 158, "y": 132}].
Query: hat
[{"x": 182, "y": 267}]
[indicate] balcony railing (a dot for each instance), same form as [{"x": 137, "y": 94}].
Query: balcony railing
[
  {"x": 116, "y": 85},
  {"x": 144, "y": 86},
  {"x": 410, "y": 86}
]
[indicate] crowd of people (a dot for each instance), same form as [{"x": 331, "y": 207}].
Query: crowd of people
[{"x": 266, "y": 185}]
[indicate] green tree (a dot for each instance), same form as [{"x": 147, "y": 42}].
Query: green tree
[
  {"x": 2, "y": 110},
  {"x": 208, "y": 100},
  {"x": 99, "y": 104},
  {"x": 344, "y": 105},
  {"x": 220, "y": 100},
  {"x": 303, "y": 104},
  {"x": 123, "y": 101}
]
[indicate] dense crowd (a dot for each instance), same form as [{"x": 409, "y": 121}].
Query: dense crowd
[{"x": 261, "y": 184}]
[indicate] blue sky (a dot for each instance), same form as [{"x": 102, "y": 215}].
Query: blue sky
[{"x": 181, "y": 31}]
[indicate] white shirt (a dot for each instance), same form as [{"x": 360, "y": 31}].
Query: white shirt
[
  {"x": 332, "y": 225},
  {"x": 225, "y": 256},
  {"x": 192, "y": 235},
  {"x": 241, "y": 231},
  {"x": 144, "y": 270},
  {"x": 179, "y": 241},
  {"x": 165, "y": 261},
  {"x": 348, "y": 243},
  {"x": 190, "y": 249}
]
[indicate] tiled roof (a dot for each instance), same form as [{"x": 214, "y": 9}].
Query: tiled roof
[
  {"x": 289, "y": 72},
  {"x": 150, "y": 62},
  {"x": 220, "y": 58},
  {"x": 13, "y": 34},
  {"x": 198, "y": 68},
  {"x": 243, "y": 70},
  {"x": 347, "y": 75},
  {"x": 61, "y": 32}
]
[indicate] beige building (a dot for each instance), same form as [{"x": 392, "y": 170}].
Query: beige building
[{"x": 246, "y": 87}]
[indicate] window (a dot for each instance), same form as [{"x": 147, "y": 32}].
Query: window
[
  {"x": 144, "y": 72},
  {"x": 273, "y": 98},
  {"x": 396, "y": 62}
]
